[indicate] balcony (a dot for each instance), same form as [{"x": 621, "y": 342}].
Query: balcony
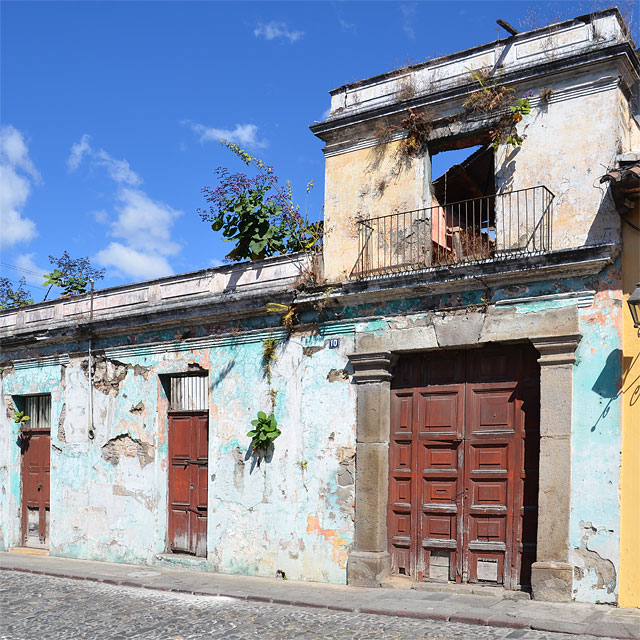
[{"x": 486, "y": 229}]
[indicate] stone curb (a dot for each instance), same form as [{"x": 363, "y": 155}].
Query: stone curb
[{"x": 422, "y": 615}]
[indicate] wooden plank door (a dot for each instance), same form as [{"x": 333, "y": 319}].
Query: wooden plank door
[
  {"x": 188, "y": 456},
  {"x": 36, "y": 487}
]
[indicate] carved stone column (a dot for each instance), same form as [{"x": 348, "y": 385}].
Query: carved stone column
[
  {"x": 552, "y": 574},
  {"x": 368, "y": 562}
]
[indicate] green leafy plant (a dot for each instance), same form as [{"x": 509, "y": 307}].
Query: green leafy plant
[
  {"x": 492, "y": 97},
  {"x": 257, "y": 213},
  {"x": 13, "y": 297},
  {"x": 265, "y": 431},
  {"x": 72, "y": 275},
  {"x": 20, "y": 418}
]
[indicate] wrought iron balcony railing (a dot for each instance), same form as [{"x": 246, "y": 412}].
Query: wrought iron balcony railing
[{"x": 482, "y": 229}]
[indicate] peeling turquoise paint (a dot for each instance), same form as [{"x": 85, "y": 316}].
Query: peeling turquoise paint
[
  {"x": 595, "y": 451},
  {"x": 291, "y": 513}
]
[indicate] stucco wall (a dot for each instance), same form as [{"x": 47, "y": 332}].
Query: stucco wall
[
  {"x": 295, "y": 513},
  {"x": 109, "y": 493},
  {"x": 556, "y": 154},
  {"x": 366, "y": 183},
  {"x": 595, "y": 446}
]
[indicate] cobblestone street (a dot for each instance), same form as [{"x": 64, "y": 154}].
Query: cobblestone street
[{"x": 34, "y": 607}]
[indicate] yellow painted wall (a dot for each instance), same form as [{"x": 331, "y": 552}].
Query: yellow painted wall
[
  {"x": 365, "y": 183},
  {"x": 629, "y": 587}
]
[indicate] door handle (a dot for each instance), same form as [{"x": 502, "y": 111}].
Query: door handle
[
  {"x": 39, "y": 486},
  {"x": 192, "y": 486}
]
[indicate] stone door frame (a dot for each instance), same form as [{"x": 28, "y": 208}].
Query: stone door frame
[{"x": 554, "y": 333}]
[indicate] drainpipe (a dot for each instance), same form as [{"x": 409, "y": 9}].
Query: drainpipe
[{"x": 90, "y": 420}]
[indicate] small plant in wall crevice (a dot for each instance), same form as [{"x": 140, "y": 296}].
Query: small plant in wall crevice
[
  {"x": 265, "y": 431},
  {"x": 20, "y": 418}
]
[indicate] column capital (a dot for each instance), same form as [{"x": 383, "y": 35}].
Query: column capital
[
  {"x": 557, "y": 350},
  {"x": 371, "y": 367}
]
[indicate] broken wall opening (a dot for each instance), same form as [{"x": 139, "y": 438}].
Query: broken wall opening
[{"x": 463, "y": 201}]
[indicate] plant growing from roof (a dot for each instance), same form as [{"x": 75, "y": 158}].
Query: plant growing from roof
[
  {"x": 257, "y": 213},
  {"x": 72, "y": 275},
  {"x": 492, "y": 97},
  {"x": 13, "y": 297}
]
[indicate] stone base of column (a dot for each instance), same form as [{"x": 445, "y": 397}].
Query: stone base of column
[
  {"x": 367, "y": 568},
  {"x": 552, "y": 581}
]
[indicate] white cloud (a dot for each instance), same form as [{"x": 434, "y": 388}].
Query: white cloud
[
  {"x": 408, "y": 18},
  {"x": 144, "y": 223},
  {"x": 78, "y": 151},
  {"x": 118, "y": 170},
  {"x": 34, "y": 274},
  {"x": 274, "y": 30},
  {"x": 133, "y": 262},
  {"x": 214, "y": 262},
  {"x": 244, "y": 134},
  {"x": 100, "y": 216},
  {"x": 17, "y": 173},
  {"x": 346, "y": 26}
]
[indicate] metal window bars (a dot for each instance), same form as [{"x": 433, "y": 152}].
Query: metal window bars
[{"x": 489, "y": 228}]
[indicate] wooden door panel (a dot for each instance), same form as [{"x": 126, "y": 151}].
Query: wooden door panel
[
  {"x": 488, "y": 493},
  {"x": 440, "y": 457},
  {"x": 489, "y": 457},
  {"x": 402, "y": 411},
  {"x": 440, "y": 411},
  {"x": 490, "y": 409},
  {"x": 199, "y": 535},
  {"x": 201, "y": 495},
  {"x": 437, "y": 527},
  {"x": 180, "y": 484},
  {"x": 180, "y": 529},
  {"x": 180, "y": 437}
]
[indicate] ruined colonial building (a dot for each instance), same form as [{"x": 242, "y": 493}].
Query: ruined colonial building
[{"x": 450, "y": 391}]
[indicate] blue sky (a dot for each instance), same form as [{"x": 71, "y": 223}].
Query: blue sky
[{"x": 110, "y": 111}]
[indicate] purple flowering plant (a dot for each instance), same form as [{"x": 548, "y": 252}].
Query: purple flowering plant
[{"x": 257, "y": 213}]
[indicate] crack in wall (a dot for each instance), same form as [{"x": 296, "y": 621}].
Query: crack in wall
[{"x": 62, "y": 437}]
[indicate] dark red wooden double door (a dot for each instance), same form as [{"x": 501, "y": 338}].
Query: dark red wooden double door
[
  {"x": 188, "y": 456},
  {"x": 463, "y": 465}
]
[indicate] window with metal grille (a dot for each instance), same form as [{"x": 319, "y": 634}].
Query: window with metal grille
[
  {"x": 38, "y": 408},
  {"x": 188, "y": 393}
]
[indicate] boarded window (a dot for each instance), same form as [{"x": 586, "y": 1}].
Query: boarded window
[
  {"x": 189, "y": 393},
  {"x": 38, "y": 408}
]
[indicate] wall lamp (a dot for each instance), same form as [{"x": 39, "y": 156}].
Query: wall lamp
[{"x": 634, "y": 307}]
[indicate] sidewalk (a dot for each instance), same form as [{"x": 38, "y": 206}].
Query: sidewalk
[{"x": 573, "y": 618}]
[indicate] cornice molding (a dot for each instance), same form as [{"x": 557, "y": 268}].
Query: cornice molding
[
  {"x": 559, "y": 350},
  {"x": 371, "y": 367}
]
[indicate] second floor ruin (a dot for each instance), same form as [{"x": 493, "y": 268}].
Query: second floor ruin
[{"x": 566, "y": 92}]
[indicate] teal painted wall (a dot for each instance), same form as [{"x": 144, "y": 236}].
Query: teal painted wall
[{"x": 294, "y": 513}]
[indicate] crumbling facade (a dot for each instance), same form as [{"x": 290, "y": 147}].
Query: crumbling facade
[{"x": 448, "y": 396}]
